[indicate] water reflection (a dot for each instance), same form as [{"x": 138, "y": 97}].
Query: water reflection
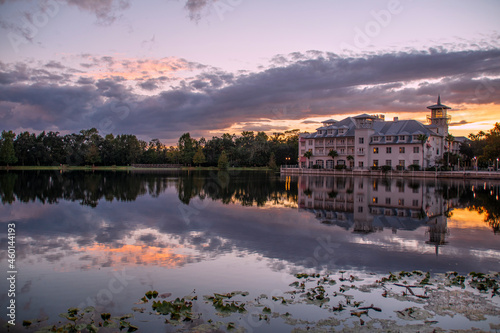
[
  {"x": 246, "y": 230},
  {"x": 170, "y": 219},
  {"x": 366, "y": 205}
]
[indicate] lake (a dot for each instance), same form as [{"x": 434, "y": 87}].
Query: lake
[{"x": 297, "y": 253}]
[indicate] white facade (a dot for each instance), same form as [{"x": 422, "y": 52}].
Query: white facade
[{"x": 366, "y": 141}]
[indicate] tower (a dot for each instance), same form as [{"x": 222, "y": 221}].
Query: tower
[{"x": 439, "y": 117}]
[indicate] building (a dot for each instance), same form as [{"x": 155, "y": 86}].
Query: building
[{"x": 367, "y": 141}]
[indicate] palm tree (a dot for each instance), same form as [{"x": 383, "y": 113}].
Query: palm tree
[
  {"x": 449, "y": 138},
  {"x": 333, "y": 153},
  {"x": 350, "y": 158},
  {"x": 423, "y": 139},
  {"x": 308, "y": 154}
]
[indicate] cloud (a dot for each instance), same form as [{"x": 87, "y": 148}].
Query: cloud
[
  {"x": 106, "y": 11},
  {"x": 197, "y": 8},
  {"x": 458, "y": 123},
  {"x": 203, "y": 99},
  {"x": 24, "y": 24}
]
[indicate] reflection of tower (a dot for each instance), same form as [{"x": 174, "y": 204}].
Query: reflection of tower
[{"x": 438, "y": 230}]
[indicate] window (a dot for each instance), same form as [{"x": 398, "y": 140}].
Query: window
[
  {"x": 360, "y": 164},
  {"x": 401, "y": 150},
  {"x": 415, "y": 137},
  {"x": 376, "y": 138},
  {"x": 415, "y": 202},
  {"x": 387, "y": 201},
  {"x": 375, "y": 200},
  {"x": 375, "y": 163},
  {"x": 360, "y": 209},
  {"x": 360, "y": 185},
  {"x": 388, "y": 150},
  {"x": 330, "y": 131},
  {"x": 310, "y": 142},
  {"x": 416, "y": 162},
  {"x": 388, "y": 138},
  {"x": 388, "y": 162},
  {"x": 401, "y": 202},
  {"x": 375, "y": 150},
  {"x": 361, "y": 140},
  {"x": 402, "y": 163},
  {"x": 416, "y": 150},
  {"x": 320, "y": 151},
  {"x": 437, "y": 151},
  {"x": 342, "y": 151},
  {"x": 401, "y": 137},
  {"x": 342, "y": 141}
]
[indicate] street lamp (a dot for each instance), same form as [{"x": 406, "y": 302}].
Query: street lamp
[
  {"x": 287, "y": 160},
  {"x": 497, "y": 164}
]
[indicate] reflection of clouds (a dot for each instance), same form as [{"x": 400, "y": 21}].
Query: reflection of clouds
[{"x": 135, "y": 255}]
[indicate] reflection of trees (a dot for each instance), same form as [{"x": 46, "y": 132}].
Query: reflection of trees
[
  {"x": 247, "y": 188},
  {"x": 483, "y": 199},
  {"x": 85, "y": 187}
]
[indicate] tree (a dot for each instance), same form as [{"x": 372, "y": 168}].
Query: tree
[
  {"x": 93, "y": 155},
  {"x": 7, "y": 152},
  {"x": 199, "y": 158},
  {"x": 272, "y": 162},
  {"x": 223, "y": 162},
  {"x": 449, "y": 138},
  {"x": 333, "y": 153},
  {"x": 423, "y": 139},
  {"x": 308, "y": 154},
  {"x": 187, "y": 148},
  {"x": 350, "y": 158}
]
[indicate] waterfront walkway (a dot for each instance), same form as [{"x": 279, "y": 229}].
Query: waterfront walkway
[{"x": 468, "y": 174}]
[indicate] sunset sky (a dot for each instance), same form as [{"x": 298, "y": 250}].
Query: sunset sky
[{"x": 159, "y": 68}]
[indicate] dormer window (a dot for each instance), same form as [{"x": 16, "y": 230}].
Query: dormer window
[
  {"x": 402, "y": 137},
  {"x": 376, "y": 138},
  {"x": 388, "y": 138}
]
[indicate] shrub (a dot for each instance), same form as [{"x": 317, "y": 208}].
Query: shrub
[
  {"x": 386, "y": 168},
  {"x": 340, "y": 167},
  {"x": 414, "y": 167}
]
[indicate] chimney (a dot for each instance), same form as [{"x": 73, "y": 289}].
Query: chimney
[{"x": 396, "y": 118}]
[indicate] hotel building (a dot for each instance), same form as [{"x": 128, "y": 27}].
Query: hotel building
[{"x": 366, "y": 141}]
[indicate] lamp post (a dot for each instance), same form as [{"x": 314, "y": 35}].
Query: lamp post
[
  {"x": 475, "y": 163},
  {"x": 497, "y": 164},
  {"x": 287, "y": 160}
]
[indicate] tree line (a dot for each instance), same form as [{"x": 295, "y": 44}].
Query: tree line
[
  {"x": 88, "y": 147},
  {"x": 484, "y": 147}
]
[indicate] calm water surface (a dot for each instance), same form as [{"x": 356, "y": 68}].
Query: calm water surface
[{"x": 103, "y": 239}]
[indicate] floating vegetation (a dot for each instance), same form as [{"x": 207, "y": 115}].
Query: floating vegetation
[
  {"x": 420, "y": 300},
  {"x": 84, "y": 320}
]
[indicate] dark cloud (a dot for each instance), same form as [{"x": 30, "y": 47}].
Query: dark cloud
[
  {"x": 458, "y": 123},
  {"x": 306, "y": 84},
  {"x": 197, "y": 8},
  {"x": 150, "y": 84},
  {"x": 106, "y": 11}
]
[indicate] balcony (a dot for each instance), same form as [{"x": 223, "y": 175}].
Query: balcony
[{"x": 360, "y": 152}]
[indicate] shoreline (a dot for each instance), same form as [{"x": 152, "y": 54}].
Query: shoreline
[
  {"x": 487, "y": 175},
  {"x": 124, "y": 168}
]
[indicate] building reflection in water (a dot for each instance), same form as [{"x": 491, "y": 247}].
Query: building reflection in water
[{"x": 367, "y": 205}]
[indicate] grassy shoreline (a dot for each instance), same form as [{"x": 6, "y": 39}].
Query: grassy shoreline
[{"x": 121, "y": 168}]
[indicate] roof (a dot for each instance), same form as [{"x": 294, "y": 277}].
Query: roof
[
  {"x": 381, "y": 128},
  {"x": 438, "y": 105},
  {"x": 365, "y": 116}
]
